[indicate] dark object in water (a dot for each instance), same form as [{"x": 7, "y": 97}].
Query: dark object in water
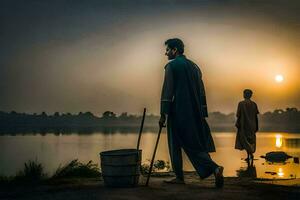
[
  {"x": 121, "y": 168},
  {"x": 276, "y": 156},
  {"x": 272, "y": 173}
]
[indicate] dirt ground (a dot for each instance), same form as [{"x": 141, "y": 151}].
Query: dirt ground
[{"x": 234, "y": 188}]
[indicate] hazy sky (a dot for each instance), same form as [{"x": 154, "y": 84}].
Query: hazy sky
[{"x": 72, "y": 56}]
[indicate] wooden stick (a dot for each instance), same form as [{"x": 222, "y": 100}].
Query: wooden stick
[
  {"x": 141, "y": 130},
  {"x": 153, "y": 156}
]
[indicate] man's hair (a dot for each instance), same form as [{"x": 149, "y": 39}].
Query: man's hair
[
  {"x": 175, "y": 43},
  {"x": 248, "y": 93}
]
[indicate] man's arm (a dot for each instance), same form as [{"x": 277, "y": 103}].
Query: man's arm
[
  {"x": 202, "y": 95},
  {"x": 238, "y": 116},
  {"x": 256, "y": 124},
  {"x": 167, "y": 95},
  {"x": 256, "y": 118},
  {"x": 203, "y": 100}
]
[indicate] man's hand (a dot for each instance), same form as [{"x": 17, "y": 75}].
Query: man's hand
[{"x": 162, "y": 121}]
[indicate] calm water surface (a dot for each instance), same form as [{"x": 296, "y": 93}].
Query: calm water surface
[{"x": 53, "y": 150}]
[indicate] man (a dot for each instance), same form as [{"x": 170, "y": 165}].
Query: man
[
  {"x": 183, "y": 107},
  {"x": 247, "y": 125}
]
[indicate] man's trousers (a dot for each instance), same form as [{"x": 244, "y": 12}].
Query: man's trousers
[{"x": 201, "y": 161}]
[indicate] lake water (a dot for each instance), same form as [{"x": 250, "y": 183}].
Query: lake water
[{"x": 52, "y": 150}]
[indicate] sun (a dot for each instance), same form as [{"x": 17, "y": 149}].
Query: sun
[{"x": 279, "y": 78}]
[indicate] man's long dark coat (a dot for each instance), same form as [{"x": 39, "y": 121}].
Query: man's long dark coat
[{"x": 183, "y": 100}]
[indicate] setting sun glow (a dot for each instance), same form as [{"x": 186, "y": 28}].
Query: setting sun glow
[{"x": 278, "y": 78}]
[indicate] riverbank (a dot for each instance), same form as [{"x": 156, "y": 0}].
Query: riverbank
[{"x": 90, "y": 188}]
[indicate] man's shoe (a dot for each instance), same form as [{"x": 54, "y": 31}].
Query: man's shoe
[
  {"x": 219, "y": 178},
  {"x": 174, "y": 181}
]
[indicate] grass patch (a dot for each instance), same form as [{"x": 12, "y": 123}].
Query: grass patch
[
  {"x": 32, "y": 172},
  {"x": 76, "y": 169},
  {"x": 5, "y": 179},
  {"x": 158, "y": 166}
]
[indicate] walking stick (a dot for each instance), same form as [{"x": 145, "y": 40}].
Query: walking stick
[
  {"x": 141, "y": 130},
  {"x": 153, "y": 156}
]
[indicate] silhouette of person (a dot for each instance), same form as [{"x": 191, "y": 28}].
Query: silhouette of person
[
  {"x": 183, "y": 109},
  {"x": 247, "y": 124}
]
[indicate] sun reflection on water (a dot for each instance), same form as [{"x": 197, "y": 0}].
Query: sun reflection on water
[
  {"x": 278, "y": 143},
  {"x": 280, "y": 172}
]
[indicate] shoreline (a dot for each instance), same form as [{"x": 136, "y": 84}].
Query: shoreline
[
  {"x": 93, "y": 188},
  {"x": 133, "y": 128}
]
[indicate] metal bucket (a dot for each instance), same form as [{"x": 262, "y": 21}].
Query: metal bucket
[{"x": 121, "y": 168}]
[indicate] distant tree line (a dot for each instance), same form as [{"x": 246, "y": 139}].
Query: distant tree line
[{"x": 278, "y": 120}]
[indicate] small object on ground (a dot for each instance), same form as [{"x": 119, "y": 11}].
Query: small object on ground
[
  {"x": 296, "y": 160},
  {"x": 276, "y": 156},
  {"x": 219, "y": 178},
  {"x": 174, "y": 181},
  {"x": 272, "y": 173},
  {"x": 121, "y": 168}
]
